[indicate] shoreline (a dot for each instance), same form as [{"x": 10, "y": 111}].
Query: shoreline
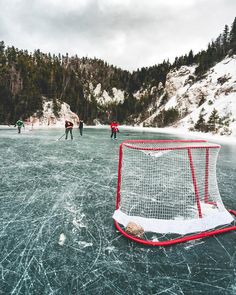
[
  {"x": 174, "y": 131},
  {"x": 167, "y": 130}
]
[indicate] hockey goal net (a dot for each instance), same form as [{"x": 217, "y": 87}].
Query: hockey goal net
[{"x": 169, "y": 187}]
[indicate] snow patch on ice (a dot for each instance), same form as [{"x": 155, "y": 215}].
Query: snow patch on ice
[
  {"x": 78, "y": 223},
  {"x": 84, "y": 244},
  {"x": 62, "y": 239}
]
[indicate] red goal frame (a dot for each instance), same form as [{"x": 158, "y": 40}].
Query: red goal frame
[{"x": 187, "y": 237}]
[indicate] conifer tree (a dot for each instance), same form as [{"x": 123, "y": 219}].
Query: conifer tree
[
  {"x": 190, "y": 58},
  {"x": 225, "y": 40},
  {"x": 201, "y": 123},
  {"x": 213, "y": 121},
  {"x": 2, "y": 47},
  {"x": 233, "y": 37}
]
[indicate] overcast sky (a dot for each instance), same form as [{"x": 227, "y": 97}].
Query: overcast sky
[{"x": 127, "y": 33}]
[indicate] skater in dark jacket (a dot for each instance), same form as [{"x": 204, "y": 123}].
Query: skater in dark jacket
[
  {"x": 81, "y": 126},
  {"x": 69, "y": 126}
]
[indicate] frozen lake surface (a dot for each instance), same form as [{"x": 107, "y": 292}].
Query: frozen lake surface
[{"x": 57, "y": 232}]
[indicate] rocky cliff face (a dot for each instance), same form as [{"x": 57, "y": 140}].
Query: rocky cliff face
[
  {"x": 192, "y": 98},
  {"x": 102, "y": 96},
  {"x": 49, "y": 118}
]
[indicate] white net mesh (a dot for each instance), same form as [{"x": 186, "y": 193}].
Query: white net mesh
[{"x": 170, "y": 187}]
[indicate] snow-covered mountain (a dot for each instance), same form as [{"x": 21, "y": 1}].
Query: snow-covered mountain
[
  {"x": 180, "y": 103},
  {"x": 191, "y": 98}
]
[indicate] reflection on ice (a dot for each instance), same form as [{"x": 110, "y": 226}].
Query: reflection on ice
[{"x": 57, "y": 233}]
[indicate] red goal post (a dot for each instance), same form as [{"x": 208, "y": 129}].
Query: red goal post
[{"x": 169, "y": 188}]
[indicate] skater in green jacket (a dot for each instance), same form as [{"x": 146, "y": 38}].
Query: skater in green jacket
[{"x": 19, "y": 125}]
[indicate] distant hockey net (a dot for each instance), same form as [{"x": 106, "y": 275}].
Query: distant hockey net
[{"x": 169, "y": 187}]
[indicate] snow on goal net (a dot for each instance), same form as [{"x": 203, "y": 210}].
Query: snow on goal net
[{"x": 169, "y": 187}]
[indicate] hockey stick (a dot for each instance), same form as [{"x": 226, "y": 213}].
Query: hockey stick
[{"x": 61, "y": 136}]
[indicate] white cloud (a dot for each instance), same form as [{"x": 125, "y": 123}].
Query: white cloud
[
  {"x": 65, "y": 6},
  {"x": 126, "y": 33},
  {"x": 105, "y": 5}
]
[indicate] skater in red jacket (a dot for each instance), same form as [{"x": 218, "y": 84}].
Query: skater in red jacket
[
  {"x": 114, "y": 129},
  {"x": 69, "y": 126}
]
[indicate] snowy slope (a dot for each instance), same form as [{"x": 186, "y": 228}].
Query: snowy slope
[{"x": 217, "y": 90}]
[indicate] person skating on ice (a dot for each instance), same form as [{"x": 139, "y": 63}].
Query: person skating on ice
[
  {"x": 19, "y": 125},
  {"x": 69, "y": 126},
  {"x": 114, "y": 129},
  {"x": 81, "y": 126}
]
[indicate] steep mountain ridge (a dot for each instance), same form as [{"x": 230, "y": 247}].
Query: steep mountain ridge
[{"x": 192, "y": 98}]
